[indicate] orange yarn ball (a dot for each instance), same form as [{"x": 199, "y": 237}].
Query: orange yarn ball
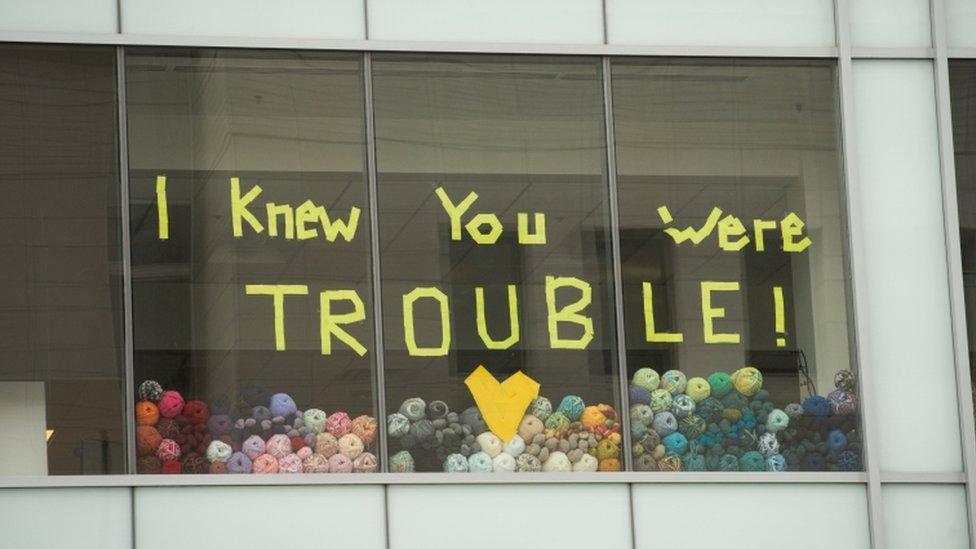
[
  {"x": 147, "y": 413},
  {"x": 609, "y": 464},
  {"x": 592, "y": 416},
  {"x": 147, "y": 440},
  {"x": 218, "y": 468}
]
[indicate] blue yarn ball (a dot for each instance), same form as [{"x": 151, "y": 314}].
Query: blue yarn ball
[
  {"x": 479, "y": 462},
  {"x": 728, "y": 463},
  {"x": 710, "y": 409},
  {"x": 848, "y": 460},
  {"x": 639, "y": 395},
  {"x": 775, "y": 463},
  {"x": 675, "y": 443},
  {"x": 282, "y": 405},
  {"x": 816, "y": 406},
  {"x": 664, "y": 424},
  {"x": 456, "y": 463},
  {"x": 572, "y": 407},
  {"x": 813, "y": 462},
  {"x": 837, "y": 441}
]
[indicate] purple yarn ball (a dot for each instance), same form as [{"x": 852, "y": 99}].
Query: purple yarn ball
[
  {"x": 282, "y": 405},
  {"x": 219, "y": 425},
  {"x": 639, "y": 395},
  {"x": 239, "y": 464}
]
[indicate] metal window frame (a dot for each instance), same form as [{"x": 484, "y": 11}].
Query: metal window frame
[{"x": 843, "y": 53}]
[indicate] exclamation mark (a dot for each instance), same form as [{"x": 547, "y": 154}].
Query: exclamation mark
[
  {"x": 780, "y": 315},
  {"x": 162, "y": 207}
]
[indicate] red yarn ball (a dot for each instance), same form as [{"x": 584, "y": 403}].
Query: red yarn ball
[
  {"x": 196, "y": 412},
  {"x": 171, "y": 468},
  {"x": 171, "y": 404},
  {"x": 168, "y": 428},
  {"x": 297, "y": 443}
]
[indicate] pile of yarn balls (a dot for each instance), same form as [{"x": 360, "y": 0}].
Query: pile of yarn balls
[
  {"x": 569, "y": 437},
  {"x": 268, "y": 434},
  {"x": 729, "y": 423}
]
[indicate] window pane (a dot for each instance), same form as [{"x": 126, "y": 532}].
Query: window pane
[
  {"x": 466, "y": 146},
  {"x": 61, "y": 388},
  {"x": 737, "y": 334},
  {"x": 251, "y": 286}
]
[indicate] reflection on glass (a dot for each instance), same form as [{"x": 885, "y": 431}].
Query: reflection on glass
[
  {"x": 733, "y": 265},
  {"x": 250, "y": 261},
  {"x": 962, "y": 82},
  {"x": 494, "y": 235},
  {"x": 61, "y": 388}
]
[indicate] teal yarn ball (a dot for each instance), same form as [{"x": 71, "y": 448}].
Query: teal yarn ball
[
  {"x": 682, "y": 406},
  {"x": 735, "y": 400},
  {"x": 557, "y": 421},
  {"x": 721, "y": 384},
  {"x": 728, "y": 463},
  {"x": 660, "y": 400},
  {"x": 572, "y": 407},
  {"x": 675, "y": 444},
  {"x": 692, "y": 426},
  {"x": 456, "y": 463},
  {"x": 694, "y": 462},
  {"x": 710, "y": 409},
  {"x": 752, "y": 461},
  {"x": 637, "y": 429},
  {"x": 646, "y": 378},
  {"x": 674, "y": 382},
  {"x": 401, "y": 462},
  {"x": 776, "y": 421},
  {"x": 775, "y": 463},
  {"x": 541, "y": 408},
  {"x": 480, "y": 462}
]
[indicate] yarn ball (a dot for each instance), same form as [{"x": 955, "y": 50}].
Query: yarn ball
[
  {"x": 557, "y": 463},
  {"x": 660, "y": 400},
  {"x": 314, "y": 420},
  {"x": 606, "y": 449},
  {"x": 794, "y": 410},
  {"x": 326, "y": 444},
  {"x": 529, "y": 427},
  {"x": 777, "y": 420},
  {"x": 472, "y": 418},
  {"x": 845, "y": 380},
  {"x": 592, "y": 416},
  {"x": 637, "y": 429},
  {"x": 414, "y": 408},
  {"x": 611, "y": 464},
  {"x": 720, "y": 383},
  {"x": 747, "y": 381},
  {"x": 641, "y": 413},
  {"x": 364, "y": 427},
  {"x": 401, "y": 462},
  {"x": 168, "y": 427},
  {"x": 698, "y": 389},
  {"x": 261, "y": 414},
  {"x": 646, "y": 378},
  {"x": 732, "y": 414},
  {"x": 254, "y": 446},
  {"x": 710, "y": 409},
  {"x": 572, "y": 407},
  {"x": 150, "y": 390},
  {"x": 682, "y": 406},
  {"x": 302, "y": 452},
  {"x": 816, "y": 406},
  {"x": 315, "y": 463},
  {"x": 813, "y": 461},
  {"x": 842, "y": 402},
  {"x": 674, "y": 382},
  {"x": 239, "y": 464},
  {"x": 340, "y": 463},
  {"x": 514, "y": 447},
  {"x": 645, "y": 462},
  {"x": 219, "y": 425},
  {"x": 586, "y": 464},
  {"x": 675, "y": 443},
  {"x": 728, "y": 463},
  {"x": 194, "y": 464},
  {"x": 768, "y": 444},
  {"x": 694, "y": 462},
  {"x": 196, "y": 412},
  {"x": 351, "y": 446},
  {"x": 479, "y": 462},
  {"x": 456, "y": 463},
  {"x": 171, "y": 404},
  {"x": 397, "y": 425},
  {"x": 558, "y": 422},
  {"x": 148, "y": 465},
  {"x": 692, "y": 426},
  {"x": 265, "y": 464},
  {"x": 422, "y": 430},
  {"x": 219, "y": 450},
  {"x": 503, "y": 463},
  {"x": 147, "y": 413},
  {"x": 752, "y": 461},
  {"x": 541, "y": 408},
  {"x": 437, "y": 409},
  {"x": 147, "y": 440},
  {"x": 365, "y": 463},
  {"x": 837, "y": 441},
  {"x": 848, "y": 460},
  {"x": 664, "y": 424},
  {"x": 527, "y": 463},
  {"x": 290, "y": 464},
  {"x": 278, "y": 446},
  {"x": 173, "y": 467},
  {"x": 282, "y": 405},
  {"x": 670, "y": 463},
  {"x": 490, "y": 444},
  {"x": 168, "y": 450},
  {"x": 338, "y": 424},
  {"x": 775, "y": 463},
  {"x": 639, "y": 395}
]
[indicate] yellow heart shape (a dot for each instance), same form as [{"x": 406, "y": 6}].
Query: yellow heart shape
[{"x": 502, "y": 405}]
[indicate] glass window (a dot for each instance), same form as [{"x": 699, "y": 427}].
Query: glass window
[
  {"x": 962, "y": 82},
  {"x": 61, "y": 390},
  {"x": 250, "y": 262},
  {"x": 733, "y": 265},
  {"x": 495, "y": 252}
]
